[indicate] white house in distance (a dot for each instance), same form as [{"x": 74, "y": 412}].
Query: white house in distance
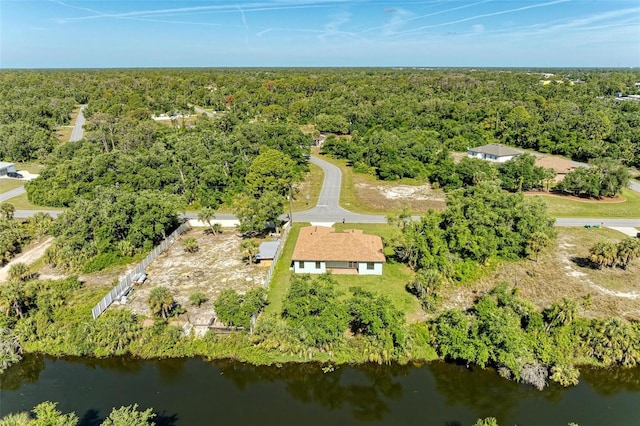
[
  {"x": 321, "y": 249},
  {"x": 6, "y": 168},
  {"x": 493, "y": 152}
]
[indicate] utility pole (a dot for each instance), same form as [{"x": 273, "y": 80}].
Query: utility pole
[{"x": 290, "y": 205}]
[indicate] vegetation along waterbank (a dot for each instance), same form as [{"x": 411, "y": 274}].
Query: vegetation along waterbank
[{"x": 444, "y": 293}]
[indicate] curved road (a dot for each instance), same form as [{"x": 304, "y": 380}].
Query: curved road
[{"x": 328, "y": 209}]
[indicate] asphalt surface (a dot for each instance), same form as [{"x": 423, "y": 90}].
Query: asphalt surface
[
  {"x": 78, "y": 128},
  {"x": 328, "y": 209},
  {"x": 12, "y": 193}
]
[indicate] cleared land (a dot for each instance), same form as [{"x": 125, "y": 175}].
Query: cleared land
[
  {"x": 563, "y": 271},
  {"x": 365, "y": 194},
  {"x": 216, "y": 266}
]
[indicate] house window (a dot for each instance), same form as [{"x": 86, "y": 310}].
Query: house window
[
  {"x": 301, "y": 264},
  {"x": 353, "y": 264},
  {"x": 369, "y": 266},
  {"x": 317, "y": 265}
]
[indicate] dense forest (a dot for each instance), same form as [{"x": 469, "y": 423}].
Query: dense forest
[{"x": 125, "y": 181}]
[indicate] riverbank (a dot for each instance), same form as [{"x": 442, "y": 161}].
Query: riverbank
[{"x": 192, "y": 392}]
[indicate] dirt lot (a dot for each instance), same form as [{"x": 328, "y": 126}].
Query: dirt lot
[
  {"x": 216, "y": 266},
  {"x": 29, "y": 254},
  {"x": 564, "y": 272},
  {"x": 385, "y": 196}
]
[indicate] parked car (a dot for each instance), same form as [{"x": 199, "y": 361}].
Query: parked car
[{"x": 15, "y": 175}]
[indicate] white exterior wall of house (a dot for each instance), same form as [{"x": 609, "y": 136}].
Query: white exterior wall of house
[
  {"x": 309, "y": 267},
  {"x": 489, "y": 157},
  {"x": 6, "y": 168},
  {"x": 363, "y": 268}
]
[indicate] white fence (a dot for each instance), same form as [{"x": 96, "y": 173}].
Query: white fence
[
  {"x": 125, "y": 284},
  {"x": 283, "y": 240},
  {"x": 267, "y": 280}
]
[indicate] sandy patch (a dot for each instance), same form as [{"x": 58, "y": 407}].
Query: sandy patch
[
  {"x": 418, "y": 198},
  {"x": 422, "y": 192},
  {"x": 28, "y": 256},
  {"x": 217, "y": 265}
]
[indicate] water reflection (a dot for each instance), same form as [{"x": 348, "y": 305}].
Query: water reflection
[
  {"x": 365, "y": 390},
  {"x": 612, "y": 380},
  {"x": 192, "y": 391},
  {"x": 26, "y": 371}
]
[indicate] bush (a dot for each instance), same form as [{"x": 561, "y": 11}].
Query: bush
[{"x": 197, "y": 299}]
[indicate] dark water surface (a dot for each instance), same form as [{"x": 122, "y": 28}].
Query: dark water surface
[{"x": 195, "y": 392}]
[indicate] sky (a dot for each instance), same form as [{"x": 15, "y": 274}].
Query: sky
[{"x": 319, "y": 33}]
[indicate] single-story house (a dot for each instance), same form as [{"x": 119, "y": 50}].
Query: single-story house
[
  {"x": 267, "y": 252},
  {"x": 560, "y": 165},
  {"x": 493, "y": 152},
  {"x": 7, "y": 168},
  {"x": 321, "y": 249}
]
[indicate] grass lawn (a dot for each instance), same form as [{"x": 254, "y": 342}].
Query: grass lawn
[
  {"x": 63, "y": 133},
  {"x": 7, "y": 184},
  {"x": 31, "y": 166},
  {"x": 570, "y": 207},
  {"x": 310, "y": 187},
  {"x": 391, "y": 283},
  {"x": 360, "y": 193},
  {"x": 21, "y": 202},
  {"x": 281, "y": 275}
]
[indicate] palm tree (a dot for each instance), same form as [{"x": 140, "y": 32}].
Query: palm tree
[
  {"x": 628, "y": 251},
  {"x": 537, "y": 242},
  {"x": 249, "y": 249},
  {"x": 161, "y": 301},
  {"x": 562, "y": 313},
  {"x": 190, "y": 245},
  {"x": 10, "y": 349},
  {"x": 206, "y": 215},
  {"x": 13, "y": 296},
  {"x": 603, "y": 254},
  {"x": 16, "y": 419},
  {"x": 17, "y": 271},
  {"x": 7, "y": 210}
]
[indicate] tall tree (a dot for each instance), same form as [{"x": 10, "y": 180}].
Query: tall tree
[{"x": 271, "y": 171}]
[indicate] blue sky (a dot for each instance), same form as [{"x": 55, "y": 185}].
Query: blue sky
[{"x": 490, "y": 33}]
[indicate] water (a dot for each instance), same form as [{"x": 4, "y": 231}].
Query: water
[{"x": 195, "y": 392}]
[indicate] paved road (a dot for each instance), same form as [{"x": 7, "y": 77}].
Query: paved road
[
  {"x": 78, "y": 128},
  {"x": 203, "y": 111},
  {"x": 623, "y": 223},
  {"x": 328, "y": 208},
  {"x": 12, "y": 193}
]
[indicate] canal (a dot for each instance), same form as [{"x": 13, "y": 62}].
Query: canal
[{"x": 196, "y": 392}]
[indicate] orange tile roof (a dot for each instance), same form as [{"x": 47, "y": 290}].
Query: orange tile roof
[{"x": 317, "y": 243}]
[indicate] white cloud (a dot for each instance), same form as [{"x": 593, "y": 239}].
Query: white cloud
[{"x": 477, "y": 28}]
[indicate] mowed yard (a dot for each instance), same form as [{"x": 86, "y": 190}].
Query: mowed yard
[{"x": 391, "y": 283}]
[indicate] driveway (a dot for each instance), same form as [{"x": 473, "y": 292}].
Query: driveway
[{"x": 12, "y": 193}]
